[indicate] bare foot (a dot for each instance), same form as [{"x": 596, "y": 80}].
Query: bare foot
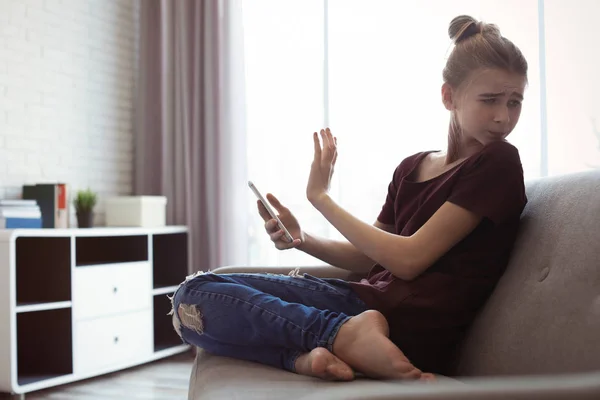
[
  {"x": 322, "y": 364},
  {"x": 363, "y": 343}
]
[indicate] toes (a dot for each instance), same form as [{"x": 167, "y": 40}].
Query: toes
[
  {"x": 428, "y": 377},
  {"x": 414, "y": 374},
  {"x": 403, "y": 369},
  {"x": 340, "y": 371}
]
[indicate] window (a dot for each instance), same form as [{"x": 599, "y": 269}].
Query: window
[
  {"x": 284, "y": 73},
  {"x": 572, "y": 85},
  {"x": 386, "y": 61},
  {"x": 372, "y": 71}
]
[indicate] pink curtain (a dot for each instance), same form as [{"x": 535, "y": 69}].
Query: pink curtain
[{"x": 190, "y": 123}]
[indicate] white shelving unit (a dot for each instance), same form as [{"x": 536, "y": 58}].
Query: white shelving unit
[{"x": 77, "y": 303}]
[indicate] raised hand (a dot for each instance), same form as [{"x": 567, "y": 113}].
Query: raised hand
[{"x": 322, "y": 167}]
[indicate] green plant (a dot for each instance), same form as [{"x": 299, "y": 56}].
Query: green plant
[{"x": 85, "y": 200}]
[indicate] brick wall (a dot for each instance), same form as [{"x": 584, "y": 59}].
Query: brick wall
[{"x": 67, "y": 75}]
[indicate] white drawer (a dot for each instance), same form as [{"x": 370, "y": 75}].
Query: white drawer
[
  {"x": 111, "y": 341},
  {"x": 102, "y": 290}
]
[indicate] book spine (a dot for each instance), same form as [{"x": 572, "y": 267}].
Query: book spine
[
  {"x": 62, "y": 213},
  {"x": 18, "y": 223}
]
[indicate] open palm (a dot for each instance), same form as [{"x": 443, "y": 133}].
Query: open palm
[{"x": 322, "y": 166}]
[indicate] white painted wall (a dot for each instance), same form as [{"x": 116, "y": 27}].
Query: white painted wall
[{"x": 67, "y": 74}]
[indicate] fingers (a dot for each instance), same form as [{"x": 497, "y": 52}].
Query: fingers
[
  {"x": 328, "y": 139},
  {"x": 329, "y": 146},
  {"x": 317, "y": 147},
  {"x": 271, "y": 226},
  {"x": 331, "y": 141},
  {"x": 335, "y": 153},
  {"x": 262, "y": 211},
  {"x": 278, "y": 236},
  {"x": 325, "y": 133},
  {"x": 275, "y": 202},
  {"x": 281, "y": 245}
]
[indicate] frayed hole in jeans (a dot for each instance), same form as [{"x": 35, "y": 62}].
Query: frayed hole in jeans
[
  {"x": 295, "y": 273},
  {"x": 190, "y": 317},
  {"x": 176, "y": 323}
]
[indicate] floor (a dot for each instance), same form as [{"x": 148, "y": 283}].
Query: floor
[{"x": 161, "y": 380}]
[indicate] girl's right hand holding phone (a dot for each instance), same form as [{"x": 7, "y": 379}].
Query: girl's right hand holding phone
[{"x": 287, "y": 218}]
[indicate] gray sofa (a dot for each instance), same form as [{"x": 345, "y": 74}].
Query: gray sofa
[{"x": 538, "y": 335}]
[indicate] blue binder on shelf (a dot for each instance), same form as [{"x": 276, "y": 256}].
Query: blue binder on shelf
[{"x": 20, "y": 223}]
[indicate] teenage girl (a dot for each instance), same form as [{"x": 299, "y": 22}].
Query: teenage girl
[{"x": 431, "y": 259}]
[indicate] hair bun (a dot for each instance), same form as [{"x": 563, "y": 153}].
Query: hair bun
[{"x": 463, "y": 27}]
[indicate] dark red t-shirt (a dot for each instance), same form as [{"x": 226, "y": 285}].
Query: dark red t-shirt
[{"x": 428, "y": 315}]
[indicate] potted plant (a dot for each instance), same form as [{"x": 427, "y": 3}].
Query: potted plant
[{"x": 84, "y": 207}]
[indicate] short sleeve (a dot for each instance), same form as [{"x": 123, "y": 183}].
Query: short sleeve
[
  {"x": 386, "y": 216},
  {"x": 492, "y": 185}
]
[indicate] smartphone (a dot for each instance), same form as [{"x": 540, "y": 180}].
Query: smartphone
[{"x": 271, "y": 211}]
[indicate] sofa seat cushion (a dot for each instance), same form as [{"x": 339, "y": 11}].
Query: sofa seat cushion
[
  {"x": 220, "y": 378},
  {"x": 216, "y": 377}
]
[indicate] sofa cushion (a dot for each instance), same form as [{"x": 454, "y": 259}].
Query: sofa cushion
[
  {"x": 582, "y": 386},
  {"x": 544, "y": 315},
  {"x": 215, "y": 377}
]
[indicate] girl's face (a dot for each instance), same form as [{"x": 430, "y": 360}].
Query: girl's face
[{"x": 488, "y": 106}]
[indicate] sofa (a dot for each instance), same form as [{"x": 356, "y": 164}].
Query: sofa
[{"x": 537, "y": 336}]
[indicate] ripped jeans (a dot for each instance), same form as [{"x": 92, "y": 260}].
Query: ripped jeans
[{"x": 265, "y": 318}]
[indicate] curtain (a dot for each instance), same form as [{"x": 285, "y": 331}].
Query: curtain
[{"x": 190, "y": 124}]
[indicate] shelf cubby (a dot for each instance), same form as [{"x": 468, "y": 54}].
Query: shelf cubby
[
  {"x": 39, "y": 281},
  {"x": 164, "y": 334},
  {"x": 44, "y": 345},
  {"x": 170, "y": 259},
  {"x": 94, "y": 250}
]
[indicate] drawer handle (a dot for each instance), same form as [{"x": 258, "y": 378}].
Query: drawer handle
[
  {"x": 116, "y": 339},
  {"x": 115, "y": 289}
]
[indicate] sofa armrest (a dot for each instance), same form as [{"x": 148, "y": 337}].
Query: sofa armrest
[{"x": 320, "y": 271}]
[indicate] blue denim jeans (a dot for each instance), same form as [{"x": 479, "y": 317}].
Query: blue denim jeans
[{"x": 270, "y": 319}]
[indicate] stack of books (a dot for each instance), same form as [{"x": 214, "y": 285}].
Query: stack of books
[
  {"x": 53, "y": 200},
  {"x": 17, "y": 214}
]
